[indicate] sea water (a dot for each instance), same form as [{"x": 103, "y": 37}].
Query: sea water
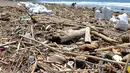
[{"x": 116, "y": 5}]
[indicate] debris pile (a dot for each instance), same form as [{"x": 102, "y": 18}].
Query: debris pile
[{"x": 70, "y": 40}]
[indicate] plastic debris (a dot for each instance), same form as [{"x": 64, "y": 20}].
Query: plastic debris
[
  {"x": 122, "y": 25},
  {"x": 117, "y": 58},
  {"x": 124, "y": 17},
  {"x": 128, "y": 69},
  {"x": 19, "y": 72},
  {"x": 48, "y": 27},
  {"x": 2, "y": 48},
  {"x": 113, "y": 19},
  {"x": 28, "y": 35},
  {"x": 31, "y": 59},
  {"x": 42, "y": 55},
  {"x": 123, "y": 22},
  {"x": 71, "y": 64},
  {"x": 36, "y": 8},
  {"x": 67, "y": 49},
  {"x": 26, "y": 17},
  {"x": 43, "y": 49},
  {"x": 97, "y": 14},
  {"x": 106, "y": 13},
  {"x": 119, "y": 71}
]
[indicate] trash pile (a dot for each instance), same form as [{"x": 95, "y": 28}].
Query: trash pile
[
  {"x": 121, "y": 22},
  {"x": 69, "y": 40},
  {"x": 35, "y": 8}
]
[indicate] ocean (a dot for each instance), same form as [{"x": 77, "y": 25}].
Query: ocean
[{"x": 116, "y": 5}]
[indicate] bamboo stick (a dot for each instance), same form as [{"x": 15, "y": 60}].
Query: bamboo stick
[
  {"x": 8, "y": 43},
  {"x": 112, "y": 47},
  {"x": 103, "y": 37},
  {"x": 94, "y": 57}
]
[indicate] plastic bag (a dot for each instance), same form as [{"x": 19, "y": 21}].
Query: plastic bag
[
  {"x": 123, "y": 22},
  {"x": 106, "y": 13},
  {"x": 123, "y": 25},
  {"x": 117, "y": 58},
  {"x": 124, "y": 17},
  {"x": 113, "y": 19},
  {"x": 36, "y": 8},
  {"x": 97, "y": 14}
]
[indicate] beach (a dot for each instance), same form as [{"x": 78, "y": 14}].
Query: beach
[{"x": 56, "y": 42}]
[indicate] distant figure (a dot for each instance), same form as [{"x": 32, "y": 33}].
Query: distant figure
[
  {"x": 73, "y": 4},
  {"x": 93, "y": 8}
]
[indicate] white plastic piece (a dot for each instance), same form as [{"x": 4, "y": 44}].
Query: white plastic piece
[
  {"x": 113, "y": 19},
  {"x": 71, "y": 63},
  {"x": 28, "y": 35},
  {"x": 106, "y": 13},
  {"x": 67, "y": 49},
  {"x": 124, "y": 17},
  {"x": 97, "y": 14},
  {"x": 35, "y": 8},
  {"x": 123, "y": 25},
  {"x": 117, "y": 58}
]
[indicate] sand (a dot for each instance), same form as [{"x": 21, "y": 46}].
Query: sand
[{"x": 7, "y": 3}]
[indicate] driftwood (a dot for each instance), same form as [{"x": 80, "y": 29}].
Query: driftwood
[
  {"x": 75, "y": 54},
  {"x": 103, "y": 37},
  {"x": 73, "y": 34},
  {"x": 92, "y": 46},
  {"x": 8, "y": 43},
  {"x": 87, "y": 35},
  {"x": 46, "y": 67},
  {"x": 112, "y": 47},
  {"x": 69, "y": 35}
]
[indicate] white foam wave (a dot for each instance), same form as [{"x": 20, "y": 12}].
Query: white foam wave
[{"x": 92, "y": 3}]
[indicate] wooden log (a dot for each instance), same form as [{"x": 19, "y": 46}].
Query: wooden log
[
  {"x": 69, "y": 35},
  {"x": 103, "y": 37},
  {"x": 87, "y": 35},
  {"x": 112, "y": 47},
  {"x": 73, "y": 34}
]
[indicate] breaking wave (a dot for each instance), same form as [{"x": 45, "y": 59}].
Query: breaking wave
[{"x": 117, "y": 6}]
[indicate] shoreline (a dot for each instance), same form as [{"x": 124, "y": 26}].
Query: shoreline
[{"x": 116, "y": 6}]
